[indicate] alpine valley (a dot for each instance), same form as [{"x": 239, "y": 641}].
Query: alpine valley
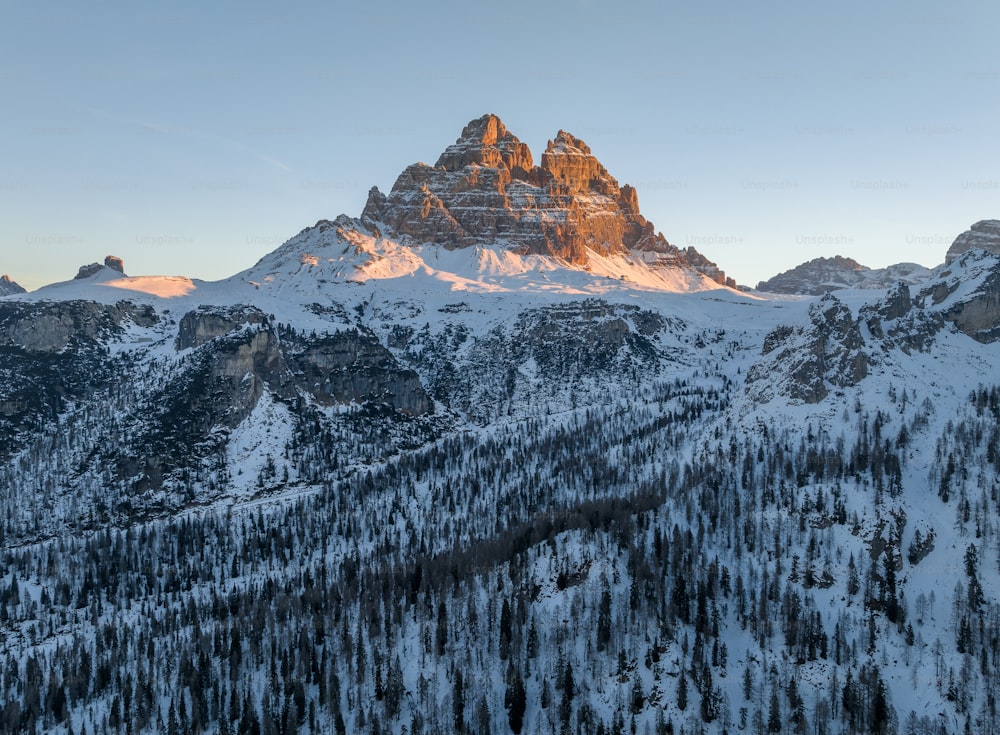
[{"x": 495, "y": 457}]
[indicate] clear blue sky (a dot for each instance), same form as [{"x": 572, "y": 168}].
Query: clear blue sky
[{"x": 193, "y": 138}]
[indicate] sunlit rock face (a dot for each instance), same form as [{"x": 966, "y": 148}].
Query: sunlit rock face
[{"x": 486, "y": 189}]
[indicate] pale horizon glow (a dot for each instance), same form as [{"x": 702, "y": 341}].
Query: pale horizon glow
[{"x": 194, "y": 141}]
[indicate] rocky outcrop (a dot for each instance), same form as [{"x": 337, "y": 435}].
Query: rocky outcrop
[
  {"x": 823, "y": 275},
  {"x": 350, "y": 367},
  {"x": 967, "y": 294},
  {"x": 806, "y": 362},
  {"x": 897, "y": 303},
  {"x": 591, "y": 337},
  {"x": 206, "y": 323},
  {"x": 899, "y": 322},
  {"x": 486, "y": 189},
  {"x": 114, "y": 263},
  {"x": 213, "y": 392},
  {"x": 52, "y": 326},
  {"x": 51, "y": 354},
  {"x": 920, "y": 546},
  {"x": 86, "y": 271},
  {"x": 332, "y": 369},
  {"x": 979, "y": 315},
  {"x": 238, "y": 353},
  {"x": 111, "y": 262},
  {"x": 8, "y": 287},
  {"x": 984, "y": 235}
]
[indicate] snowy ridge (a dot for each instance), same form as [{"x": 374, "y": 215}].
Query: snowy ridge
[{"x": 331, "y": 252}]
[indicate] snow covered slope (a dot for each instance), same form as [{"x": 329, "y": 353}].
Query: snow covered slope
[{"x": 375, "y": 484}]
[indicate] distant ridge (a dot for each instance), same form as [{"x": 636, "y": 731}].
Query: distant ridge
[{"x": 823, "y": 275}]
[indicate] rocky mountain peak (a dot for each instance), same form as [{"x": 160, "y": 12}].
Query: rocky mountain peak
[
  {"x": 115, "y": 263},
  {"x": 111, "y": 262},
  {"x": 486, "y": 142},
  {"x": 485, "y": 189},
  {"x": 8, "y": 287},
  {"x": 86, "y": 271},
  {"x": 570, "y": 163},
  {"x": 814, "y": 277},
  {"x": 823, "y": 275},
  {"x": 984, "y": 234}
]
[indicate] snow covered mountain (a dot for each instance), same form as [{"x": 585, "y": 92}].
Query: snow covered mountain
[
  {"x": 486, "y": 190},
  {"x": 822, "y": 275},
  {"x": 8, "y": 286},
  {"x": 494, "y": 457}
]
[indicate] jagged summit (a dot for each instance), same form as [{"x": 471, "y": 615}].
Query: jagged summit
[
  {"x": 822, "y": 275},
  {"x": 111, "y": 263},
  {"x": 115, "y": 263},
  {"x": 984, "y": 234},
  {"x": 8, "y": 287},
  {"x": 486, "y": 142},
  {"x": 486, "y": 190}
]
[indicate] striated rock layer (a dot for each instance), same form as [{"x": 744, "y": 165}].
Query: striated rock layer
[
  {"x": 486, "y": 189},
  {"x": 984, "y": 235}
]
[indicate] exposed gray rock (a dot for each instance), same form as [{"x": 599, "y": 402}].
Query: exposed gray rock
[
  {"x": 340, "y": 368},
  {"x": 897, "y": 302},
  {"x": 920, "y": 547},
  {"x": 237, "y": 354},
  {"x": 898, "y": 322},
  {"x": 86, "y": 271},
  {"x": 979, "y": 315},
  {"x": 206, "y": 323},
  {"x": 214, "y": 391},
  {"x": 967, "y": 294},
  {"x": 350, "y": 367},
  {"x": 52, "y": 326},
  {"x": 111, "y": 262},
  {"x": 984, "y": 235},
  {"x": 806, "y": 362}
]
